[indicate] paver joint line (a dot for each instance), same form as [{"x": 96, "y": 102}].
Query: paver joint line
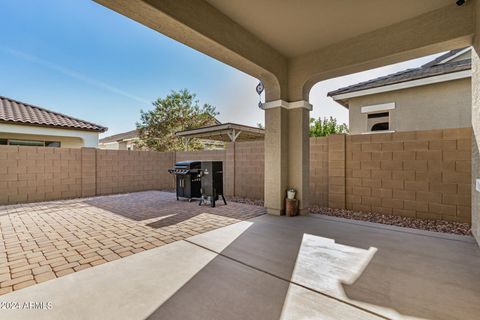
[{"x": 288, "y": 281}]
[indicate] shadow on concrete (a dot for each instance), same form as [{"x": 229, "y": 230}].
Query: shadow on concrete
[
  {"x": 410, "y": 274},
  {"x": 234, "y": 285}
]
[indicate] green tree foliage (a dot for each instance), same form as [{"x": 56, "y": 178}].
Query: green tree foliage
[
  {"x": 325, "y": 127},
  {"x": 178, "y": 111}
]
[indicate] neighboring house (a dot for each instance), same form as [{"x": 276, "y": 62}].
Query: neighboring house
[
  {"x": 22, "y": 124},
  {"x": 434, "y": 96},
  {"x": 121, "y": 141},
  {"x": 126, "y": 141}
]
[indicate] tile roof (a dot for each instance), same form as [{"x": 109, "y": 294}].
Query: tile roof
[
  {"x": 430, "y": 69},
  {"x": 447, "y": 55},
  {"x": 13, "y": 111},
  {"x": 121, "y": 136}
]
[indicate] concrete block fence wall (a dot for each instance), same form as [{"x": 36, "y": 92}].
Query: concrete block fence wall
[
  {"x": 249, "y": 162},
  {"x": 423, "y": 174},
  {"x": 120, "y": 171},
  {"x": 319, "y": 171},
  {"x": 29, "y": 174}
]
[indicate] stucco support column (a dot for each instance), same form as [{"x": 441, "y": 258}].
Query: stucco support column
[
  {"x": 286, "y": 153},
  {"x": 476, "y": 126},
  {"x": 229, "y": 176}
]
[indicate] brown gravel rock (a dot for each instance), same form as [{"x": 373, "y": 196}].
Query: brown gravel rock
[
  {"x": 399, "y": 221},
  {"x": 407, "y": 222},
  {"x": 247, "y": 201}
]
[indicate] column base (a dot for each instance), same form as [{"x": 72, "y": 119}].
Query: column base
[
  {"x": 275, "y": 212},
  {"x": 281, "y": 212}
]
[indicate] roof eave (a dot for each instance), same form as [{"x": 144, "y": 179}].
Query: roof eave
[
  {"x": 451, "y": 76},
  {"x": 103, "y": 129}
]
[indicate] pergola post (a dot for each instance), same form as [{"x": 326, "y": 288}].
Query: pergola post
[
  {"x": 476, "y": 126},
  {"x": 286, "y": 153}
]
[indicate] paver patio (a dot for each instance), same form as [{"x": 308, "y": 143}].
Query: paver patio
[{"x": 43, "y": 241}]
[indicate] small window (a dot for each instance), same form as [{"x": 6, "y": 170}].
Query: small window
[
  {"x": 382, "y": 126},
  {"x": 378, "y": 121},
  {"x": 30, "y": 143},
  {"x": 53, "y": 144}
]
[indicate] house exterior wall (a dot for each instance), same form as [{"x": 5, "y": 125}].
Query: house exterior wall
[
  {"x": 435, "y": 106},
  {"x": 118, "y": 145},
  {"x": 68, "y": 138},
  {"x": 65, "y": 142},
  {"x": 109, "y": 146}
]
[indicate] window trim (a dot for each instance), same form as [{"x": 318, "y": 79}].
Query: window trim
[{"x": 378, "y": 107}]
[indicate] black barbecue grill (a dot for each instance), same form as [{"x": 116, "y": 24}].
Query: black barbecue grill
[
  {"x": 199, "y": 179},
  {"x": 212, "y": 182},
  {"x": 188, "y": 181}
]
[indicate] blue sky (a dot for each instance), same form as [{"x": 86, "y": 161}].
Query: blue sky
[{"x": 84, "y": 60}]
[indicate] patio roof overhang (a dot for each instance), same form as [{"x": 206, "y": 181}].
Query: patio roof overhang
[
  {"x": 291, "y": 46},
  {"x": 226, "y": 132}
]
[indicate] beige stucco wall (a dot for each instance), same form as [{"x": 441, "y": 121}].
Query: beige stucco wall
[
  {"x": 65, "y": 142},
  {"x": 476, "y": 129},
  {"x": 68, "y": 137},
  {"x": 122, "y": 145},
  {"x": 435, "y": 106},
  {"x": 109, "y": 146}
]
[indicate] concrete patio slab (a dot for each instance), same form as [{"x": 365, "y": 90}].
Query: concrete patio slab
[
  {"x": 130, "y": 288},
  {"x": 391, "y": 272},
  {"x": 276, "y": 267}
]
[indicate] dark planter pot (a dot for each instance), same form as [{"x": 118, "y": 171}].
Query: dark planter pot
[{"x": 291, "y": 207}]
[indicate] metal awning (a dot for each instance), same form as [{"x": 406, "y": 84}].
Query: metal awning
[{"x": 227, "y": 132}]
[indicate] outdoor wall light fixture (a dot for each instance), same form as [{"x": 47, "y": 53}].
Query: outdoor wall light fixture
[
  {"x": 460, "y": 2},
  {"x": 259, "y": 90}
]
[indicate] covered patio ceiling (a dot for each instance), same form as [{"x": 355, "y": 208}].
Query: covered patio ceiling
[
  {"x": 290, "y": 47},
  {"x": 294, "y": 29}
]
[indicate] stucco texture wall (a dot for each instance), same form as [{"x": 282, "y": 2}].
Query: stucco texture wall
[
  {"x": 435, "y": 106},
  {"x": 66, "y": 142}
]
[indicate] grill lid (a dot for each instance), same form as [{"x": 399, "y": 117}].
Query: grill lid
[{"x": 188, "y": 164}]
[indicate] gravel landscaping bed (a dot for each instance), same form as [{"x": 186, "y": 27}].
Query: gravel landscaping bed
[
  {"x": 246, "y": 201},
  {"x": 399, "y": 221},
  {"x": 407, "y": 222}
]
